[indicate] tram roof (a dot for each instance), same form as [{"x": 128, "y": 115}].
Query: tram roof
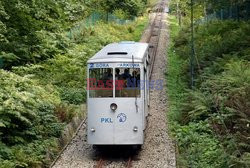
[{"x": 121, "y": 52}]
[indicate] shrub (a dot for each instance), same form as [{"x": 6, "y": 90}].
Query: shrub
[
  {"x": 66, "y": 112},
  {"x": 26, "y": 120},
  {"x": 215, "y": 115},
  {"x": 198, "y": 146}
]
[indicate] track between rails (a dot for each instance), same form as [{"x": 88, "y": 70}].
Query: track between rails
[
  {"x": 101, "y": 163},
  {"x": 154, "y": 37}
]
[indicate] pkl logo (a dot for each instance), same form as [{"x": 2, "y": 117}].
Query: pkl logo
[{"x": 106, "y": 120}]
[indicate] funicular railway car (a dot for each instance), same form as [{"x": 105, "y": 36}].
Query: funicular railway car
[{"x": 117, "y": 94}]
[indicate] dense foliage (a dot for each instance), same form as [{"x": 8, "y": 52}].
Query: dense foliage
[
  {"x": 26, "y": 118},
  {"x": 129, "y": 8},
  {"x": 204, "y": 10},
  {"x": 31, "y": 32},
  {"x": 211, "y": 122},
  {"x": 43, "y": 81}
]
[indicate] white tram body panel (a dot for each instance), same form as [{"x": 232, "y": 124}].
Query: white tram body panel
[{"x": 117, "y": 116}]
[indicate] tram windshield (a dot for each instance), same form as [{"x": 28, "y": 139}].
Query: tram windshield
[
  {"x": 100, "y": 82},
  {"x": 127, "y": 82}
]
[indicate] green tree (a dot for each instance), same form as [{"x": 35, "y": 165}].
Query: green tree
[{"x": 30, "y": 30}]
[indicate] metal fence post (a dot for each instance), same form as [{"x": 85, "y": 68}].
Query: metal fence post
[
  {"x": 230, "y": 12},
  {"x": 1, "y": 63},
  {"x": 221, "y": 14},
  {"x": 237, "y": 13},
  {"x": 248, "y": 9}
]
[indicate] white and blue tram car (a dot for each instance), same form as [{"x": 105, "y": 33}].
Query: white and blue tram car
[{"x": 117, "y": 95}]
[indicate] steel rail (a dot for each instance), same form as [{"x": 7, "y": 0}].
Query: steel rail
[
  {"x": 155, "y": 45},
  {"x": 65, "y": 147}
]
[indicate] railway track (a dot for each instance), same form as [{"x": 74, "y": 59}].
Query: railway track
[
  {"x": 101, "y": 162},
  {"x": 154, "y": 37},
  {"x": 153, "y": 40},
  {"x": 65, "y": 147},
  {"x": 129, "y": 163}
]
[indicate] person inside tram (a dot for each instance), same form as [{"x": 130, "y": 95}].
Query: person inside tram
[
  {"x": 107, "y": 76},
  {"x": 117, "y": 74},
  {"x": 135, "y": 78},
  {"x": 126, "y": 74}
]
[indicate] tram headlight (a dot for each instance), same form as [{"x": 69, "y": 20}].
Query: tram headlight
[
  {"x": 135, "y": 128},
  {"x": 113, "y": 106}
]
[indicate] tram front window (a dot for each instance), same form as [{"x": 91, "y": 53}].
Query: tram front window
[
  {"x": 127, "y": 81},
  {"x": 100, "y": 82}
]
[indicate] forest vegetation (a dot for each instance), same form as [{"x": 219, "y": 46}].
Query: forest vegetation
[
  {"x": 211, "y": 121},
  {"x": 42, "y": 75}
]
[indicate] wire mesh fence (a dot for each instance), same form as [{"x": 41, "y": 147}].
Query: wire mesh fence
[
  {"x": 92, "y": 20},
  {"x": 235, "y": 12},
  {"x": 1, "y": 63}
]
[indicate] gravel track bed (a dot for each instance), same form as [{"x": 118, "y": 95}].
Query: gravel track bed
[{"x": 159, "y": 149}]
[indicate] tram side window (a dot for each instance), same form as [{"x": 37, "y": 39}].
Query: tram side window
[
  {"x": 100, "y": 82},
  {"x": 127, "y": 81}
]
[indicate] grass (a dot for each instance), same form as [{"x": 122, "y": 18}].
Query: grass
[
  {"x": 152, "y": 3},
  {"x": 142, "y": 22},
  {"x": 176, "y": 86}
]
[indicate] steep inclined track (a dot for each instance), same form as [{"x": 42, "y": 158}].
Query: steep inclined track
[{"x": 158, "y": 150}]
